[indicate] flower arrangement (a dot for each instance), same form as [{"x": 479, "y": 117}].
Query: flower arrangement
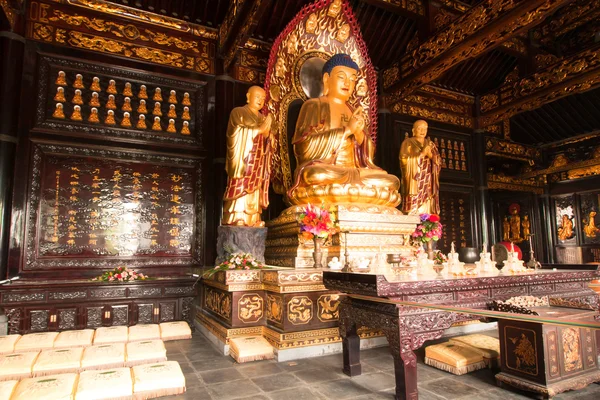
[
  {"x": 243, "y": 261},
  {"x": 429, "y": 229},
  {"x": 120, "y": 274},
  {"x": 316, "y": 222},
  {"x": 439, "y": 258}
]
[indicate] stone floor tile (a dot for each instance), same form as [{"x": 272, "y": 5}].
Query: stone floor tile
[
  {"x": 213, "y": 363},
  {"x": 256, "y": 370},
  {"x": 220, "y": 375},
  {"x": 299, "y": 365},
  {"x": 382, "y": 363},
  {"x": 234, "y": 390},
  {"x": 341, "y": 389},
  {"x": 450, "y": 388},
  {"x": 276, "y": 382},
  {"x": 195, "y": 393},
  {"x": 315, "y": 375},
  {"x": 302, "y": 393},
  {"x": 376, "y": 382}
]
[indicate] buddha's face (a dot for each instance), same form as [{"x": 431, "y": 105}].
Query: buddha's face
[
  {"x": 341, "y": 82},
  {"x": 256, "y": 98},
  {"x": 420, "y": 129}
]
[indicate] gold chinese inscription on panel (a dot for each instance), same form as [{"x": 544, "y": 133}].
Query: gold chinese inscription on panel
[
  {"x": 274, "y": 308},
  {"x": 218, "y": 302},
  {"x": 329, "y": 307},
  {"x": 300, "y": 310},
  {"x": 571, "y": 349},
  {"x": 250, "y": 308}
]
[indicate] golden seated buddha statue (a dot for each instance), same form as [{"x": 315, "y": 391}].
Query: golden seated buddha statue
[{"x": 334, "y": 155}]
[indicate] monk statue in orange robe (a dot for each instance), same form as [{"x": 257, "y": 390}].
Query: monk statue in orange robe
[
  {"x": 248, "y": 162},
  {"x": 420, "y": 162},
  {"x": 334, "y": 155}
]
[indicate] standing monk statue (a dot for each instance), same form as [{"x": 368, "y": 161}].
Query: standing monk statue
[
  {"x": 333, "y": 153},
  {"x": 248, "y": 162},
  {"x": 420, "y": 162}
]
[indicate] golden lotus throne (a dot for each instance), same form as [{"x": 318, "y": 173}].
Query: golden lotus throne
[{"x": 315, "y": 160}]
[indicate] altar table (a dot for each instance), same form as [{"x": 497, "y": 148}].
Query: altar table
[{"x": 408, "y": 327}]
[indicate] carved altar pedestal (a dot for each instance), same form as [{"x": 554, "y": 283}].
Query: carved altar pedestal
[
  {"x": 548, "y": 359},
  {"x": 407, "y": 327},
  {"x": 290, "y": 308},
  {"x": 366, "y": 231}
]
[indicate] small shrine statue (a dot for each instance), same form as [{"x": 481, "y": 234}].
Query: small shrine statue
[
  {"x": 186, "y": 99},
  {"x": 526, "y": 225},
  {"x": 421, "y": 163},
  {"x": 506, "y": 230},
  {"x": 512, "y": 265},
  {"x": 332, "y": 148},
  {"x": 485, "y": 263},
  {"x": 565, "y": 231},
  {"x": 515, "y": 225},
  {"x": 248, "y": 162},
  {"x": 454, "y": 265},
  {"x": 589, "y": 227}
]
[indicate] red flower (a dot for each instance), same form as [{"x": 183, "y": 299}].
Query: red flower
[{"x": 434, "y": 218}]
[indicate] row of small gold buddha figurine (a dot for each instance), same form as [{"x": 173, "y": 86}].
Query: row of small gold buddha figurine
[
  {"x": 111, "y": 104},
  {"x": 456, "y": 165},
  {"x": 125, "y": 121},
  {"x": 61, "y": 80}
]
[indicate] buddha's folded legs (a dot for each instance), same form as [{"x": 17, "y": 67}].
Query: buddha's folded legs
[
  {"x": 324, "y": 174},
  {"x": 379, "y": 178}
]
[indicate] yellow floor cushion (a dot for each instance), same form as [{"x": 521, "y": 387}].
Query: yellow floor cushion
[
  {"x": 157, "y": 379},
  {"x": 145, "y": 352},
  {"x": 111, "y": 334},
  {"x": 7, "y": 388},
  {"x": 52, "y": 387},
  {"x": 103, "y": 356},
  {"x": 453, "y": 358},
  {"x": 487, "y": 346},
  {"x": 79, "y": 338},
  {"x": 7, "y": 343},
  {"x": 105, "y": 384},
  {"x": 17, "y": 365},
  {"x": 36, "y": 341},
  {"x": 58, "y": 361},
  {"x": 175, "y": 330},
  {"x": 144, "y": 332}
]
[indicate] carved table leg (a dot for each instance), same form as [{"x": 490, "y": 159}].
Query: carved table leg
[
  {"x": 351, "y": 345},
  {"x": 406, "y": 376}
]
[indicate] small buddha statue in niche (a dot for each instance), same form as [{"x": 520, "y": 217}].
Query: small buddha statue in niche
[
  {"x": 94, "y": 116},
  {"x": 142, "y": 94},
  {"x": 77, "y": 99},
  {"x": 171, "y": 127},
  {"x": 157, "y": 95},
  {"x": 126, "y": 121},
  {"x": 141, "y": 124},
  {"x": 173, "y": 97},
  {"x": 185, "y": 129},
  {"x": 112, "y": 87},
  {"x": 60, "y": 94},
  {"x": 334, "y": 155},
  {"x": 61, "y": 78},
  {"x": 515, "y": 225},
  {"x": 311, "y": 23},
  {"x": 95, "y": 100},
  {"x": 156, "y": 125},
  {"x": 157, "y": 110},
  {"x": 505, "y": 229},
  {"x": 78, "y": 84},
  {"x": 76, "y": 115},
  {"x": 172, "y": 113},
  {"x": 95, "y": 86},
  {"x": 186, "y": 114},
  {"x": 421, "y": 163},
  {"x": 58, "y": 111},
  {"x": 127, "y": 90},
  {"x": 126, "y": 104},
  {"x": 526, "y": 225},
  {"x": 110, "y": 104},
  {"x": 110, "y": 118},
  {"x": 142, "y": 107},
  {"x": 565, "y": 230},
  {"x": 186, "y": 99}
]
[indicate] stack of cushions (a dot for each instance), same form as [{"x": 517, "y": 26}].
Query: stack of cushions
[
  {"x": 487, "y": 346},
  {"x": 105, "y": 384},
  {"x": 453, "y": 358},
  {"x": 175, "y": 331},
  {"x": 58, "y": 361},
  {"x": 155, "y": 380},
  {"x": 7, "y": 343}
]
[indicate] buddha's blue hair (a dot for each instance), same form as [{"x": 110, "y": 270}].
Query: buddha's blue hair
[{"x": 337, "y": 60}]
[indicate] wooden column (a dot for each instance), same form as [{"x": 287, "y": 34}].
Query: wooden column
[
  {"x": 483, "y": 215},
  {"x": 12, "y": 44}
]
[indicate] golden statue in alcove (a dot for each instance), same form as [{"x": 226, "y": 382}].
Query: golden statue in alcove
[
  {"x": 248, "y": 162},
  {"x": 334, "y": 155}
]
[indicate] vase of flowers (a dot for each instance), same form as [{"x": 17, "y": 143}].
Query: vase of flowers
[
  {"x": 236, "y": 261},
  {"x": 316, "y": 223},
  {"x": 428, "y": 231}
]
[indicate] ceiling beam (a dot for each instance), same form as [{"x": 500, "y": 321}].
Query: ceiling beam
[
  {"x": 414, "y": 9},
  {"x": 575, "y": 74},
  {"x": 237, "y": 27},
  {"x": 480, "y": 29}
]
